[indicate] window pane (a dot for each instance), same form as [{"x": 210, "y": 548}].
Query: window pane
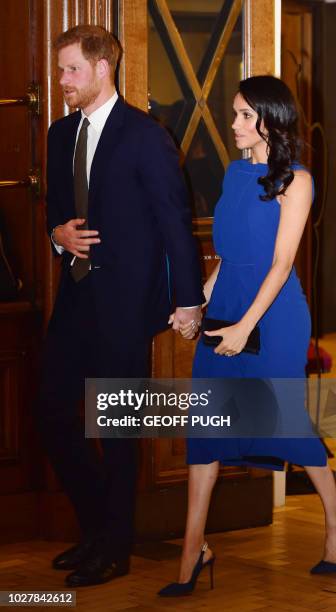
[{"x": 176, "y": 80}]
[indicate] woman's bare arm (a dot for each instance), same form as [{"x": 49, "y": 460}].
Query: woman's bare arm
[{"x": 295, "y": 206}]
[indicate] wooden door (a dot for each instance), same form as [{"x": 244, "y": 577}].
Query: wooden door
[
  {"x": 297, "y": 72},
  {"x": 21, "y": 229}
]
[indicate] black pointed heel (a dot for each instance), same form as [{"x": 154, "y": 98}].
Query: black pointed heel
[{"x": 178, "y": 589}]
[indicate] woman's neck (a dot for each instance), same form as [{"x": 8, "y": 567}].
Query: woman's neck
[{"x": 259, "y": 154}]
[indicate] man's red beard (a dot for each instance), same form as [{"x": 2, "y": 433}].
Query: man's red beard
[
  {"x": 68, "y": 95},
  {"x": 81, "y": 99}
]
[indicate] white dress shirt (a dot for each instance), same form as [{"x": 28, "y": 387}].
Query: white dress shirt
[{"x": 97, "y": 121}]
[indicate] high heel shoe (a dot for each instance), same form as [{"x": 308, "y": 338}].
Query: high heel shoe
[{"x": 177, "y": 589}]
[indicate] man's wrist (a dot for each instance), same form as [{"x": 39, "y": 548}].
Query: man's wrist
[
  {"x": 58, "y": 247},
  {"x": 52, "y": 235}
]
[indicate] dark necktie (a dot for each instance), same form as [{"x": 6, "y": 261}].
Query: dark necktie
[{"x": 81, "y": 267}]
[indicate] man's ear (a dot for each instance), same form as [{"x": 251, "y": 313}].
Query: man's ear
[{"x": 103, "y": 68}]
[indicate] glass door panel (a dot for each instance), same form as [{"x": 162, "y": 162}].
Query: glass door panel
[{"x": 195, "y": 65}]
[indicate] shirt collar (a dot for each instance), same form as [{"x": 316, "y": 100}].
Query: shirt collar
[{"x": 98, "y": 117}]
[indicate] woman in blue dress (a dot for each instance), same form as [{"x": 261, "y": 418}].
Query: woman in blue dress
[{"x": 258, "y": 224}]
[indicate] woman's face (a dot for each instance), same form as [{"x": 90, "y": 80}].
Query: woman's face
[{"x": 244, "y": 125}]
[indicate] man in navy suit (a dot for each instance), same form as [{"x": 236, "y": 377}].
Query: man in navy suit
[{"x": 117, "y": 213}]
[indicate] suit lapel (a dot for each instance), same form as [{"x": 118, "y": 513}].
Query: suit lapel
[
  {"x": 107, "y": 142},
  {"x": 68, "y": 153}
]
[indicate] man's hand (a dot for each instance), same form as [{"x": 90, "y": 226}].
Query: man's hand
[
  {"x": 74, "y": 240},
  {"x": 186, "y": 320}
]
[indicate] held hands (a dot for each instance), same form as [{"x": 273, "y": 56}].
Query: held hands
[
  {"x": 186, "y": 320},
  {"x": 234, "y": 339},
  {"x": 74, "y": 240}
]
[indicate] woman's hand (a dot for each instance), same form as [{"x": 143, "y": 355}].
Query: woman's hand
[{"x": 234, "y": 339}]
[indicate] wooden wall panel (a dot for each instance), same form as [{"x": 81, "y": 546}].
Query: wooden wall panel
[
  {"x": 297, "y": 56},
  {"x": 17, "y": 205},
  {"x": 19, "y": 460},
  {"x": 20, "y": 58},
  {"x": 260, "y": 36},
  {"x": 132, "y": 31}
]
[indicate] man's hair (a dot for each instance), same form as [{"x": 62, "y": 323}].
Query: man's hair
[{"x": 96, "y": 43}]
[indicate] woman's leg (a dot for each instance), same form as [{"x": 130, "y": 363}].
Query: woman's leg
[
  {"x": 324, "y": 482},
  {"x": 200, "y": 484}
]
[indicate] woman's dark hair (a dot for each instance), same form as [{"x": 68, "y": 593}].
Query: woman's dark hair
[{"x": 275, "y": 105}]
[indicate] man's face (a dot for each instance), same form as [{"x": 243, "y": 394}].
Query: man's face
[{"x": 78, "y": 77}]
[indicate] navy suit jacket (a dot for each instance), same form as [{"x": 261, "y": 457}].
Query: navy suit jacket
[{"x": 138, "y": 202}]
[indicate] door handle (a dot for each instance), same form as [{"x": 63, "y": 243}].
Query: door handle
[
  {"x": 31, "y": 99},
  {"x": 33, "y": 181}
]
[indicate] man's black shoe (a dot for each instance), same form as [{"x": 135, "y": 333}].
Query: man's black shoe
[
  {"x": 71, "y": 558},
  {"x": 97, "y": 570}
]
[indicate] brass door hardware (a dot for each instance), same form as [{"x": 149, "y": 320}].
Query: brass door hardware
[
  {"x": 33, "y": 181},
  {"x": 31, "y": 99}
]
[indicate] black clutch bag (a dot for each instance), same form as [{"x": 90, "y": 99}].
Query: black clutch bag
[{"x": 253, "y": 342}]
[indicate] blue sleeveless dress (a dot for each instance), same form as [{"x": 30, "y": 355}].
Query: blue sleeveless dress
[{"x": 244, "y": 234}]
